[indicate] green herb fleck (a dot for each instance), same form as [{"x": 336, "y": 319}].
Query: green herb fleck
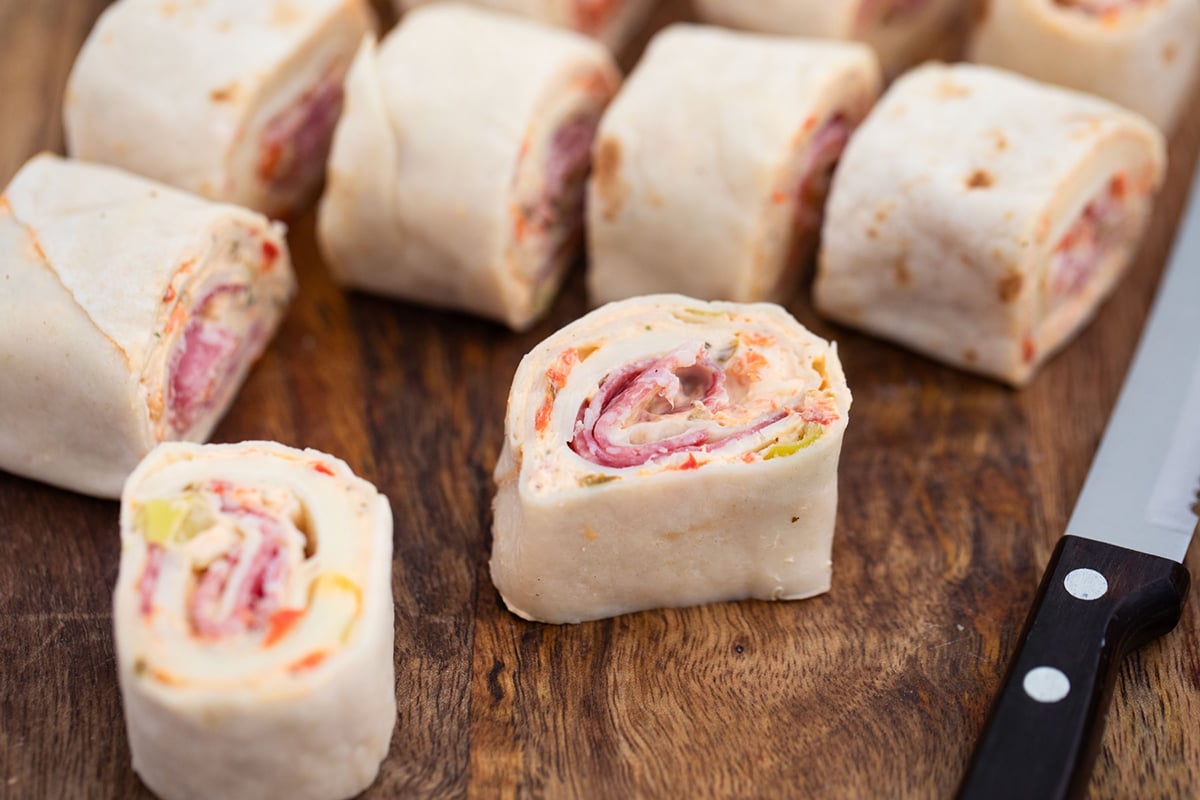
[
  {"x": 597, "y": 480},
  {"x": 781, "y": 450}
]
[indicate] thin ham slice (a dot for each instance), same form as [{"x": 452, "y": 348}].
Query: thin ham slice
[
  {"x": 654, "y": 390},
  {"x": 823, "y": 154},
  {"x": 1103, "y": 226},
  {"x": 255, "y": 597},
  {"x": 295, "y": 143},
  {"x": 558, "y": 214},
  {"x": 204, "y": 361}
]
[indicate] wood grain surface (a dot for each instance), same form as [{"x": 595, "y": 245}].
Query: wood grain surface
[{"x": 954, "y": 490}]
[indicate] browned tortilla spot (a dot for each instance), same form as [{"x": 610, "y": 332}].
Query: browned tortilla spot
[
  {"x": 903, "y": 276},
  {"x": 611, "y": 190},
  {"x": 949, "y": 90},
  {"x": 1009, "y": 287},
  {"x": 999, "y": 139},
  {"x": 970, "y": 356},
  {"x": 872, "y": 233},
  {"x": 980, "y": 179},
  {"x": 884, "y": 211},
  {"x": 224, "y": 93},
  {"x": 1169, "y": 52},
  {"x": 284, "y": 13}
]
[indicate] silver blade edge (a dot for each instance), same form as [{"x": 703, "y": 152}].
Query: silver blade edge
[{"x": 1141, "y": 491}]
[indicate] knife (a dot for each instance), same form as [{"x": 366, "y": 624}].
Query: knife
[{"x": 1116, "y": 579}]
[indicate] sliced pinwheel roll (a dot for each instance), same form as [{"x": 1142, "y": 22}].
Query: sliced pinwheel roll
[
  {"x": 230, "y": 99},
  {"x": 1015, "y": 210},
  {"x": 130, "y": 315},
  {"x": 253, "y": 622},
  {"x": 900, "y": 31},
  {"x": 457, "y": 172},
  {"x": 1140, "y": 54},
  {"x": 613, "y": 22},
  {"x": 662, "y": 451},
  {"x": 712, "y": 164}
]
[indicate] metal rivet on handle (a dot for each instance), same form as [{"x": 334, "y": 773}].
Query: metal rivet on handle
[
  {"x": 1086, "y": 584},
  {"x": 1046, "y": 684}
]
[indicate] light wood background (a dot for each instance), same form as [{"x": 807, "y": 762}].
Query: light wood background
[{"x": 954, "y": 490}]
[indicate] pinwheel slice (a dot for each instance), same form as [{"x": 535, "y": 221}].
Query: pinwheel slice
[
  {"x": 900, "y": 31},
  {"x": 1014, "y": 212},
  {"x": 663, "y": 451},
  {"x": 131, "y": 314},
  {"x": 457, "y": 171},
  {"x": 613, "y": 22},
  {"x": 1140, "y": 54},
  {"x": 229, "y": 99},
  {"x": 713, "y": 162},
  {"x": 253, "y": 622}
]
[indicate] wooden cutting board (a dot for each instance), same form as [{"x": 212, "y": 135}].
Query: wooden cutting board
[{"x": 954, "y": 490}]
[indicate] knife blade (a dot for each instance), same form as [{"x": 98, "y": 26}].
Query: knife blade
[{"x": 1116, "y": 579}]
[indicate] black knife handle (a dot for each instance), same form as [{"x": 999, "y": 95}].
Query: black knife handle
[{"x": 1045, "y": 727}]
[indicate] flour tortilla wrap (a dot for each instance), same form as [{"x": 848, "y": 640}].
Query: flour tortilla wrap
[
  {"x": 253, "y": 623},
  {"x": 663, "y": 451},
  {"x": 1014, "y": 210},
  {"x": 456, "y": 177},
  {"x": 613, "y": 22},
  {"x": 1142, "y": 55},
  {"x": 230, "y": 99},
  {"x": 130, "y": 315},
  {"x": 900, "y": 31},
  {"x": 711, "y": 165}
]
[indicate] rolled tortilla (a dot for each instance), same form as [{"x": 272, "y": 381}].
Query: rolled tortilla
[
  {"x": 900, "y": 31},
  {"x": 734, "y": 412},
  {"x": 1014, "y": 210},
  {"x": 613, "y": 22},
  {"x": 253, "y": 623},
  {"x": 457, "y": 172},
  {"x": 1142, "y": 55},
  {"x": 130, "y": 315},
  {"x": 229, "y": 99},
  {"x": 711, "y": 166}
]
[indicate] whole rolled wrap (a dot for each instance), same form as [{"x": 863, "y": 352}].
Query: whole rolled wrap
[
  {"x": 980, "y": 218},
  {"x": 457, "y": 172},
  {"x": 131, "y": 314},
  {"x": 613, "y": 22},
  {"x": 253, "y": 623},
  {"x": 712, "y": 164},
  {"x": 1142, "y": 55},
  {"x": 900, "y": 31},
  {"x": 229, "y": 99},
  {"x": 662, "y": 451}
]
